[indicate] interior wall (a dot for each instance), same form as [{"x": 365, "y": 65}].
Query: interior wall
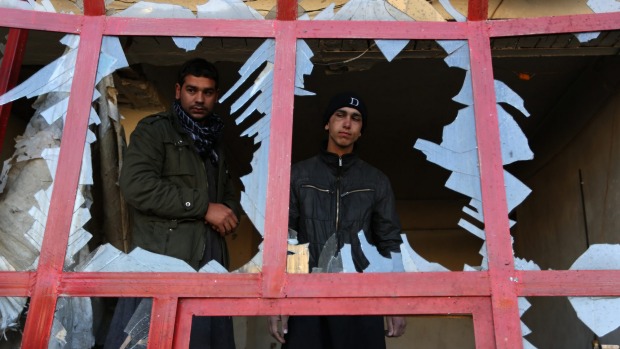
[
  {"x": 432, "y": 231},
  {"x": 573, "y": 204}
]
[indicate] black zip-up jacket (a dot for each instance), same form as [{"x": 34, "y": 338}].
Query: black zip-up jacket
[{"x": 343, "y": 195}]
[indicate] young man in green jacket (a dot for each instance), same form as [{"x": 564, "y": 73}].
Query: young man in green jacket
[{"x": 175, "y": 180}]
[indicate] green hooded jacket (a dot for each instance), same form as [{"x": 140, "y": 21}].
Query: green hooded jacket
[{"x": 164, "y": 180}]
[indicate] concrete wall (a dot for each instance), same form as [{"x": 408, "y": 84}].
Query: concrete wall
[{"x": 574, "y": 203}]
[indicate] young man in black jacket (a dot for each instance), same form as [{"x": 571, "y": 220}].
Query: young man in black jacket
[{"x": 335, "y": 195}]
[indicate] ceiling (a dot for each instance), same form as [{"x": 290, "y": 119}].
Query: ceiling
[{"x": 409, "y": 98}]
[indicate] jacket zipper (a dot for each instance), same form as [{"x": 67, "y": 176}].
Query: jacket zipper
[
  {"x": 357, "y": 191},
  {"x": 167, "y": 240},
  {"x": 338, "y": 193},
  {"x": 315, "y": 187}
]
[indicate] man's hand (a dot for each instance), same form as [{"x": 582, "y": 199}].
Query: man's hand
[
  {"x": 278, "y": 327},
  {"x": 396, "y": 326},
  {"x": 221, "y": 218}
]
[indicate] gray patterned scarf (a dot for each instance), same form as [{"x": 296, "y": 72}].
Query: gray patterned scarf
[{"x": 204, "y": 134}]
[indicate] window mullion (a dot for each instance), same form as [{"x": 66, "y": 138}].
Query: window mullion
[
  {"x": 280, "y": 143},
  {"x": 55, "y": 239},
  {"x": 495, "y": 210}
]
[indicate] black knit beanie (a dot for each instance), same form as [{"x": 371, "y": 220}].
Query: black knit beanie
[{"x": 346, "y": 99}]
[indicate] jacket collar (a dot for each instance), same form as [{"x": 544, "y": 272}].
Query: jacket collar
[
  {"x": 174, "y": 121},
  {"x": 337, "y": 162}
]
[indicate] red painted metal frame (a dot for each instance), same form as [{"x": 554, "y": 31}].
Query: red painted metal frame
[
  {"x": 477, "y": 10},
  {"x": 250, "y": 285},
  {"x": 309, "y": 29},
  {"x": 477, "y": 307},
  {"x": 490, "y": 297},
  {"x": 16, "y": 284},
  {"x": 499, "y": 246},
  {"x": 280, "y": 143},
  {"x": 94, "y": 7},
  {"x": 287, "y": 10},
  {"x": 55, "y": 239},
  {"x": 564, "y": 283},
  {"x": 164, "y": 313}
]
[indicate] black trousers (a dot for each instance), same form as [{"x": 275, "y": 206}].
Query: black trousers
[{"x": 335, "y": 332}]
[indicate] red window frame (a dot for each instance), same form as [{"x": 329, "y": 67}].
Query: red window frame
[{"x": 489, "y": 296}]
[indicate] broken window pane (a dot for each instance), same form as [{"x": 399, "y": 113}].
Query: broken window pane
[
  {"x": 99, "y": 209},
  {"x": 78, "y": 322},
  {"x": 92, "y": 322},
  {"x": 12, "y": 319},
  {"x": 129, "y": 326},
  {"x": 577, "y": 322},
  {"x": 31, "y": 147},
  {"x": 413, "y": 113},
  {"x": 73, "y": 325},
  {"x": 143, "y": 84},
  {"x": 571, "y": 133}
]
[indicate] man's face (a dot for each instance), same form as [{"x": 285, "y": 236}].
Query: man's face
[
  {"x": 344, "y": 128},
  {"x": 197, "y": 96}
]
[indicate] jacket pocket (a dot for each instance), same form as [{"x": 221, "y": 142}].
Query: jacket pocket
[
  {"x": 179, "y": 158},
  {"x": 183, "y": 240},
  {"x": 316, "y": 203}
]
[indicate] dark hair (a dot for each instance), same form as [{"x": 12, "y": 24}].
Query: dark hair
[{"x": 198, "y": 67}]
